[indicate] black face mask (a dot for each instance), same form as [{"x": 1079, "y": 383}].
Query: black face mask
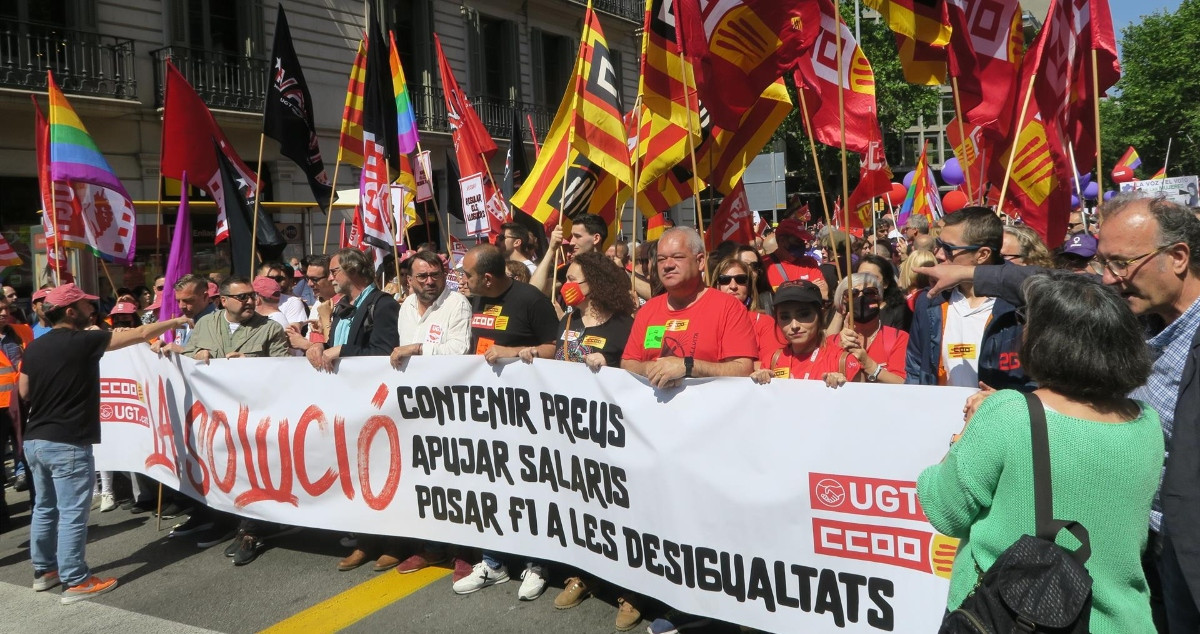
[{"x": 865, "y": 309}]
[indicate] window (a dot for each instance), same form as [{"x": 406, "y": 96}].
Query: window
[
  {"x": 410, "y": 21},
  {"x": 492, "y": 51},
  {"x": 234, "y": 27},
  {"x": 553, "y": 60}
]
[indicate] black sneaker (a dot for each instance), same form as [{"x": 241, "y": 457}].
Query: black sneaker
[
  {"x": 21, "y": 483},
  {"x": 142, "y": 507},
  {"x": 192, "y": 525},
  {"x": 214, "y": 535},
  {"x": 247, "y": 550},
  {"x": 173, "y": 510},
  {"x": 234, "y": 545}
]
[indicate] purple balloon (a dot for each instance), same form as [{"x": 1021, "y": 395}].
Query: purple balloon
[
  {"x": 952, "y": 172},
  {"x": 908, "y": 178},
  {"x": 1091, "y": 191},
  {"x": 1074, "y": 201},
  {"x": 1109, "y": 194},
  {"x": 1084, "y": 179}
]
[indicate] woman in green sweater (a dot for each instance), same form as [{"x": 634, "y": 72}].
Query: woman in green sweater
[{"x": 1084, "y": 348}]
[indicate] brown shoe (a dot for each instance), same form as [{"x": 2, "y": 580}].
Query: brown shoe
[
  {"x": 572, "y": 595},
  {"x": 385, "y": 562},
  {"x": 627, "y": 615},
  {"x": 353, "y": 560}
]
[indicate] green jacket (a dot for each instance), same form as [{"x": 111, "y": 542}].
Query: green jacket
[{"x": 257, "y": 337}]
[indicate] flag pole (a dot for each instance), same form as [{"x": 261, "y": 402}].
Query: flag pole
[
  {"x": 1075, "y": 178},
  {"x": 637, "y": 164},
  {"x": 257, "y": 197},
  {"x": 56, "y": 245},
  {"x": 837, "y": 30},
  {"x": 1096, "y": 106},
  {"x": 395, "y": 250},
  {"x": 687, "y": 104},
  {"x": 329, "y": 210},
  {"x": 437, "y": 212},
  {"x": 1012, "y": 152},
  {"x": 1167, "y": 158},
  {"x": 537, "y": 150},
  {"x": 812, "y": 145},
  {"x": 962, "y": 134}
]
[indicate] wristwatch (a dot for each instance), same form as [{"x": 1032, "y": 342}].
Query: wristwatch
[
  {"x": 689, "y": 363},
  {"x": 874, "y": 376}
]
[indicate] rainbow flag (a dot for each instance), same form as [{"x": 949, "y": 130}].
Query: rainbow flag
[
  {"x": 406, "y": 121},
  {"x": 922, "y": 198},
  {"x": 1129, "y": 159},
  {"x": 74, "y": 156},
  {"x": 1159, "y": 175}
]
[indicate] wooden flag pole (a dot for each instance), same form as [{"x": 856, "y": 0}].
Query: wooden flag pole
[
  {"x": 395, "y": 250},
  {"x": 1012, "y": 152},
  {"x": 1075, "y": 177},
  {"x": 257, "y": 197},
  {"x": 637, "y": 164},
  {"x": 329, "y": 210},
  {"x": 55, "y": 246},
  {"x": 562, "y": 198},
  {"x": 687, "y": 104},
  {"x": 837, "y": 29},
  {"x": 436, "y": 211},
  {"x": 1096, "y": 105},
  {"x": 812, "y": 145},
  {"x": 962, "y": 134}
]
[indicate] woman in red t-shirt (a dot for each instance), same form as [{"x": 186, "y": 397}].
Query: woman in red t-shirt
[
  {"x": 734, "y": 277},
  {"x": 798, "y": 352},
  {"x": 870, "y": 351}
]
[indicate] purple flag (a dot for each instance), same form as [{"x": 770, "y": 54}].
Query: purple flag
[{"x": 179, "y": 262}]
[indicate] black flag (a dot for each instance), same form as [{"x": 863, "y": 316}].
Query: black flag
[
  {"x": 453, "y": 190},
  {"x": 516, "y": 167},
  {"x": 379, "y": 100},
  {"x": 238, "y": 209},
  {"x": 288, "y": 114}
]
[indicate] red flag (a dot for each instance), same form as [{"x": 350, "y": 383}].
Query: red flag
[
  {"x": 984, "y": 54},
  {"x": 57, "y": 226},
  {"x": 343, "y": 239},
  {"x": 817, "y": 75},
  {"x": 734, "y": 220},
  {"x": 970, "y": 155},
  {"x": 739, "y": 47},
  {"x": 356, "y": 229},
  {"x": 189, "y": 132},
  {"x": 1098, "y": 36},
  {"x": 875, "y": 179}
]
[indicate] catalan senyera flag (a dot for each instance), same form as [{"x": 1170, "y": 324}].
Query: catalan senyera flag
[
  {"x": 103, "y": 205},
  {"x": 673, "y": 187},
  {"x": 738, "y": 48},
  {"x": 730, "y": 151},
  {"x": 406, "y": 120},
  {"x": 659, "y": 145},
  {"x": 350, "y": 145},
  {"x": 666, "y": 89},
  {"x": 817, "y": 75},
  {"x": 598, "y": 130},
  {"x": 984, "y": 55},
  {"x": 655, "y": 226}
]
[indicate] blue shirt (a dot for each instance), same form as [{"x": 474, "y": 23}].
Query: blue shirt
[
  {"x": 39, "y": 330},
  {"x": 341, "y": 331},
  {"x": 1168, "y": 352}
]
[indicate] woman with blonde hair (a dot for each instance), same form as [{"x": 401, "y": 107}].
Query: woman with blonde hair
[
  {"x": 735, "y": 277},
  {"x": 1024, "y": 247}
]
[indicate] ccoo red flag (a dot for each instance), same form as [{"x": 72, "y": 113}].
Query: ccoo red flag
[{"x": 734, "y": 220}]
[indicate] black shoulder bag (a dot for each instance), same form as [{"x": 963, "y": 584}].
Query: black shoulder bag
[{"x": 1035, "y": 585}]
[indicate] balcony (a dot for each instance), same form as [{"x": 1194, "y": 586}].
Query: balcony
[
  {"x": 632, "y": 10},
  {"x": 429, "y": 106},
  {"x": 225, "y": 81},
  {"x": 83, "y": 63}
]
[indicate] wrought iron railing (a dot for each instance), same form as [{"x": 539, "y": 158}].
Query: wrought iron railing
[
  {"x": 429, "y": 107},
  {"x": 226, "y": 81},
  {"x": 632, "y": 10},
  {"x": 83, "y": 62}
]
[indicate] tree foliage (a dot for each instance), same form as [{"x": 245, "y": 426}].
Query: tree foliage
[
  {"x": 900, "y": 105},
  {"x": 1158, "y": 96}
]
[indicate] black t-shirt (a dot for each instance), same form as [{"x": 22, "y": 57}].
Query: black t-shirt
[
  {"x": 521, "y": 317},
  {"x": 63, "y": 367},
  {"x": 607, "y": 338}
]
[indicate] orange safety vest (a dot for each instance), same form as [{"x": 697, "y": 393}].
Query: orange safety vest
[
  {"x": 24, "y": 332},
  {"x": 8, "y": 380}
]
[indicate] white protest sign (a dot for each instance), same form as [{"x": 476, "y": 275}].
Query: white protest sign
[
  {"x": 424, "y": 183},
  {"x": 473, "y": 205},
  {"x": 786, "y": 507},
  {"x": 1177, "y": 189}
]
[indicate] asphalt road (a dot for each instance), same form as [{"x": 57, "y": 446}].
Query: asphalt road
[{"x": 171, "y": 585}]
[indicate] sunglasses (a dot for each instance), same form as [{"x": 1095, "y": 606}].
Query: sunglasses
[
  {"x": 315, "y": 280},
  {"x": 949, "y": 249},
  {"x": 740, "y": 279},
  {"x": 241, "y": 297},
  {"x": 869, "y": 293},
  {"x": 278, "y": 278}
]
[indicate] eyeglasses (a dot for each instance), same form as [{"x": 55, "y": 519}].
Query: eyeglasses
[
  {"x": 425, "y": 277},
  {"x": 241, "y": 297},
  {"x": 312, "y": 279},
  {"x": 334, "y": 270},
  {"x": 949, "y": 249},
  {"x": 1120, "y": 268},
  {"x": 740, "y": 279},
  {"x": 870, "y": 292}
]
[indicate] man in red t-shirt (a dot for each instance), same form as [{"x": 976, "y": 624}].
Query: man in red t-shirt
[
  {"x": 691, "y": 330},
  {"x": 790, "y": 263}
]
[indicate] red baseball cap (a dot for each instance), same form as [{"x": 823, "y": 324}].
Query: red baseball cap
[
  {"x": 266, "y": 286},
  {"x": 123, "y": 308},
  {"x": 67, "y": 294},
  {"x": 40, "y": 294}
]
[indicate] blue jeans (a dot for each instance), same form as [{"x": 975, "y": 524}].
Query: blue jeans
[{"x": 64, "y": 475}]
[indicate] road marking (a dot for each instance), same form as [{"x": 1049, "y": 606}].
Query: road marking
[{"x": 355, "y": 604}]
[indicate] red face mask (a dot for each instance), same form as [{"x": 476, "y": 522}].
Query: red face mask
[{"x": 572, "y": 294}]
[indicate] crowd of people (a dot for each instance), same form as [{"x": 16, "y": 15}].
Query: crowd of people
[{"x": 1102, "y": 329}]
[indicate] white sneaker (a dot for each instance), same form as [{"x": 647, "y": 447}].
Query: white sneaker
[
  {"x": 481, "y": 577},
  {"x": 533, "y": 582},
  {"x": 107, "y": 503}
]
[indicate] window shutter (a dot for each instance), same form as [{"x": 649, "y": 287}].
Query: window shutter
[
  {"x": 512, "y": 60},
  {"x": 252, "y": 28},
  {"x": 475, "y": 67},
  {"x": 538, "y": 64},
  {"x": 177, "y": 14}
]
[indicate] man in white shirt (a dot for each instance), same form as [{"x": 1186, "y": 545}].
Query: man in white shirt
[
  {"x": 433, "y": 319},
  {"x": 291, "y": 306}
]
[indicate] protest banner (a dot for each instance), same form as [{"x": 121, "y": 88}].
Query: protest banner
[
  {"x": 473, "y": 204},
  {"x": 1177, "y": 189},
  {"x": 764, "y": 505}
]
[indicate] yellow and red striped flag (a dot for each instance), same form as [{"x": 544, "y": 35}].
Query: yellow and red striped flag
[
  {"x": 598, "y": 131},
  {"x": 350, "y": 145}
]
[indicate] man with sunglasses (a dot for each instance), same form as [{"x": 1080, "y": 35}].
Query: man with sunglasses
[
  {"x": 292, "y": 307},
  {"x": 959, "y": 337}
]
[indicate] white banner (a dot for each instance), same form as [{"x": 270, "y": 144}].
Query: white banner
[
  {"x": 1177, "y": 189},
  {"x": 424, "y": 184},
  {"x": 471, "y": 188},
  {"x": 788, "y": 507}
]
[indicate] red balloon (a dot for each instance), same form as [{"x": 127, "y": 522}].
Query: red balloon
[
  {"x": 953, "y": 201},
  {"x": 896, "y": 196},
  {"x": 1122, "y": 174}
]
